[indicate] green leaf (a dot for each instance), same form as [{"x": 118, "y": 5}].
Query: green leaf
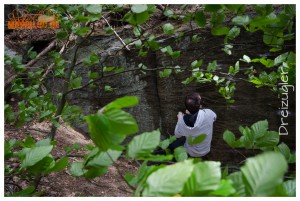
[
  {"x": 233, "y": 32},
  {"x": 285, "y": 150},
  {"x": 225, "y": 172},
  {"x": 95, "y": 172},
  {"x": 262, "y": 173},
  {"x": 220, "y": 30},
  {"x": 197, "y": 140},
  {"x": 169, "y": 180},
  {"x": 61, "y": 35},
  {"x": 121, "y": 122},
  {"x": 260, "y": 128},
  {"x": 241, "y": 20},
  {"x": 225, "y": 189},
  {"x": 290, "y": 9},
  {"x": 238, "y": 183},
  {"x": 290, "y": 187},
  {"x": 143, "y": 144},
  {"x": 206, "y": 176},
  {"x": 212, "y": 66},
  {"x": 233, "y": 7},
  {"x": 93, "y": 75},
  {"x": 43, "y": 166},
  {"x": 137, "y": 18},
  {"x": 158, "y": 158},
  {"x": 213, "y": 7},
  {"x": 130, "y": 179},
  {"x": 229, "y": 138},
  {"x": 35, "y": 155},
  {"x": 168, "y": 28},
  {"x": 109, "y": 126},
  {"x": 123, "y": 102},
  {"x": 281, "y": 58},
  {"x": 108, "y": 69},
  {"x": 31, "y": 54},
  {"x": 200, "y": 19},
  {"x": 46, "y": 113},
  {"x": 100, "y": 131},
  {"x": 139, "y": 8},
  {"x": 75, "y": 83},
  {"x": 246, "y": 59},
  {"x": 105, "y": 158},
  {"x": 138, "y": 44},
  {"x": 82, "y": 31},
  {"x": 94, "y": 8},
  {"x": 77, "y": 169},
  {"x": 29, "y": 142},
  {"x": 94, "y": 58},
  {"x": 180, "y": 154},
  {"x": 165, "y": 73},
  {"x": 76, "y": 146},
  {"x": 269, "y": 140},
  {"x": 44, "y": 142},
  {"x": 108, "y": 88},
  {"x": 7, "y": 150},
  {"x": 196, "y": 63},
  {"x": 152, "y": 43},
  {"x": 164, "y": 144},
  {"x": 81, "y": 18},
  {"x": 60, "y": 165},
  {"x": 168, "y": 13},
  {"x": 188, "y": 80},
  {"x": 25, "y": 192}
]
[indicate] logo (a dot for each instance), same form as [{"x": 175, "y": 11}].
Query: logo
[{"x": 21, "y": 19}]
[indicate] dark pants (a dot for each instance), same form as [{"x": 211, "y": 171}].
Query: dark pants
[{"x": 177, "y": 143}]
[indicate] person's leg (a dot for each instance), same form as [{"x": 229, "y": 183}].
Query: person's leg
[{"x": 177, "y": 143}]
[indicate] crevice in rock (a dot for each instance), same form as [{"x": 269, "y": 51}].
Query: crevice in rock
[{"x": 155, "y": 88}]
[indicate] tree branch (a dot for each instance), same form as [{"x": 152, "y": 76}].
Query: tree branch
[
  {"x": 113, "y": 74},
  {"x": 45, "y": 51},
  {"x": 52, "y": 65},
  {"x": 32, "y": 62},
  {"x": 121, "y": 40},
  {"x": 68, "y": 74}
]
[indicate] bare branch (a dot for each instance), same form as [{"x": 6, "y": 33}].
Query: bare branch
[
  {"x": 52, "y": 65},
  {"x": 32, "y": 62},
  {"x": 45, "y": 51},
  {"x": 126, "y": 46}
]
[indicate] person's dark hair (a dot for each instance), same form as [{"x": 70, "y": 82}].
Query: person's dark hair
[{"x": 193, "y": 102}]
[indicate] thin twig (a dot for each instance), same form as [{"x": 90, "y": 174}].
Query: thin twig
[
  {"x": 119, "y": 172},
  {"x": 121, "y": 40},
  {"x": 39, "y": 130},
  {"x": 32, "y": 62},
  {"x": 45, "y": 51},
  {"x": 52, "y": 65}
]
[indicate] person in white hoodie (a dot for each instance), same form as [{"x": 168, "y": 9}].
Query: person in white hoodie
[{"x": 194, "y": 122}]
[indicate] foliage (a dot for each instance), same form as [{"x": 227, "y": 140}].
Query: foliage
[
  {"x": 34, "y": 157},
  {"x": 111, "y": 125},
  {"x": 258, "y": 137}
]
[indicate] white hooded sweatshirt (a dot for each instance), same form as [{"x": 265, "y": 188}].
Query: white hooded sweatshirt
[{"x": 203, "y": 125}]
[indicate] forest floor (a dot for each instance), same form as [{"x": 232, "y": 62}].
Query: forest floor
[{"x": 62, "y": 184}]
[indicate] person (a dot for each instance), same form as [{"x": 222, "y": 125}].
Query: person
[{"x": 194, "y": 122}]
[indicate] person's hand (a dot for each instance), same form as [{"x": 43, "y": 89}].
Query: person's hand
[
  {"x": 179, "y": 115},
  {"x": 187, "y": 112}
]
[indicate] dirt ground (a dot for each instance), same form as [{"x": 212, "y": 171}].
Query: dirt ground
[{"x": 62, "y": 184}]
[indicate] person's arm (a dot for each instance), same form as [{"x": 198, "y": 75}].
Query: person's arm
[{"x": 177, "y": 128}]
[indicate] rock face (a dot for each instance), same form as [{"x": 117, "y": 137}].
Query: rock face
[{"x": 162, "y": 98}]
